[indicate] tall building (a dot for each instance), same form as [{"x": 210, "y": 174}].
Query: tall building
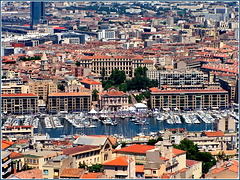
[{"x": 37, "y": 12}]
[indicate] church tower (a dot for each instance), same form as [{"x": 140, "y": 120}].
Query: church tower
[{"x": 44, "y": 62}]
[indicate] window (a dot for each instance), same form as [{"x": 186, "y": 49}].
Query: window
[
  {"x": 45, "y": 172},
  {"x": 116, "y": 168},
  {"x": 147, "y": 171},
  {"x": 124, "y": 168},
  {"x": 154, "y": 172}
]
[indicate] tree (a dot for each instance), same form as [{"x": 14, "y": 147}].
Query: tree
[
  {"x": 95, "y": 168},
  {"x": 154, "y": 141},
  {"x": 193, "y": 153},
  {"x": 80, "y": 165},
  {"x": 61, "y": 87},
  {"x": 130, "y": 99},
  {"x": 123, "y": 144},
  {"x": 77, "y": 63},
  {"x": 103, "y": 73},
  {"x": 117, "y": 77},
  {"x": 94, "y": 95}
]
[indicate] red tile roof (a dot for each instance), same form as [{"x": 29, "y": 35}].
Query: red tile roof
[
  {"x": 139, "y": 168},
  {"x": 29, "y": 174},
  {"x": 120, "y": 161},
  {"x": 163, "y": 158},
  {"x": 70, "y": 94},
  {"x": 92, "y": 176},
  {"x": 5, "y": 144},
  {"x": 20, "y": 95},
  {"x": 136, "y": 148},
  {"x": 183, "y": 170},
  {"x": 214, "y": 134},
  {"x": 191, "y": 162},
  {"x": 114, "y": 93},
  {"x": 154, "y": 91},
  {"x": 71, "y": 173},
  {"x": 178, "y": 151},
  {"x": 89, "y": 81},
  {"x": 75, "y": 150},
  {"x": 14, "y": 155}
]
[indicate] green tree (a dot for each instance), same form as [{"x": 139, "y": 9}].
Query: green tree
[
  {"x": 123, "y": 144},
  {"x": 80, "y": 165},
  {"x": 61, "y": 87},
  {"x": 193, "y": 153},
  {"x": 94, "y": 95},
  {"x": 77, "y": 63},
  {"x": 117, "y": 77},
  {"x": 154, "y": 141},
  {"x": 95, "y": 168},
  {"x": 103, "y": 73},
  {"x": 130, "y": 99}
]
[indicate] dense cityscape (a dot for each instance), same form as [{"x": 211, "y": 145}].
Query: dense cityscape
[{"x": 120, "y": 90}]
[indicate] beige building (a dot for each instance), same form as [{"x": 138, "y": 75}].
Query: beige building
[
  {"x": 224, "y": 170},
  {"x": 37, "y": 158},
  {"x": 91, "y": 150},
  {"x": 14, "y": 88},
  {"x": 9, "y": 131},
  {"x": 43, "y": 88},
  {"x": 20, "y": 103},
  {"x": 122, "y": 63},
  {"x": 113, "y": 100},
  {"x": 188, "y": 99},
  {"x": 78, "y": 101},
  {"x": 53, "y": 168},
  {"x": 120, "y": 168}
]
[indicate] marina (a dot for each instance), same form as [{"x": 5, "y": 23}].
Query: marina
[{"x": 127, "y": 124}]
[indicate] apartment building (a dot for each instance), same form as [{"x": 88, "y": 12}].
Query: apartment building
[
  {"x": 188, "y": 99},
  {"x": 121, "y": 168},
  {"x": 90, "y": 84},
  {"x": 53, "y": 168},
  {"x": 78, "y": 101},
  {"x": 178, "y": 77},
  {"x": 37, "y": 158},
  {"x": 20, "y": 103},
  {"x": 99, "y": 149},
  {"x": 43, "y": 88},
  {"x": 14, "y": 89},
  {"x": 9, "y": 131},
  {"x": 6, "y": 163},
  {"x": 113, "y": 100},
  {"x": 109, "y": 63}
]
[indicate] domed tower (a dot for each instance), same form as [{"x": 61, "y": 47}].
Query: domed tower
[{"x": 44, "y": 62}]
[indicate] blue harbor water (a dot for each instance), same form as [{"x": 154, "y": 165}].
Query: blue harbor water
[{"x": 124, "y": 127}]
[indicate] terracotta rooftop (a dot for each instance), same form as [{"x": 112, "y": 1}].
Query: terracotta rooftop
[
  {"x": 139, "y": 168},
  {"x": 14, "y": 155},
  {"x": 70, "y": 94},
  {"x": 29, "y": 174},
  {"x": 190, "y": 163},
  {"x": 92, "y": 175},
  {"x": 214, "y": 134},
  {"x": 20, "y": 95},
  {"x": 178, "y": 151},
  {"x": 71, "y": 173},
  {"x": 5, "y": 144},
  {"x": 78, "y": 149},
  {"x": 120, "y": 161},
  {"x": 136, "y": 148}
]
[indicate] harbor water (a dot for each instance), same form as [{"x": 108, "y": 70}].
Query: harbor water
[{"x": 124, "y": 127}]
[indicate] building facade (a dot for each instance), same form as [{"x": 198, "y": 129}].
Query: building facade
[
  {"x": 20, "y": 103},
  {"x": 43, "y": 88},
  {"x": 177, "y": 77},
  {"x": 188, "y": 99},
  {"x": 114, "y": 100},
  {"x": 123, "y": 63},
  {"x": 78, "y": 101}
]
